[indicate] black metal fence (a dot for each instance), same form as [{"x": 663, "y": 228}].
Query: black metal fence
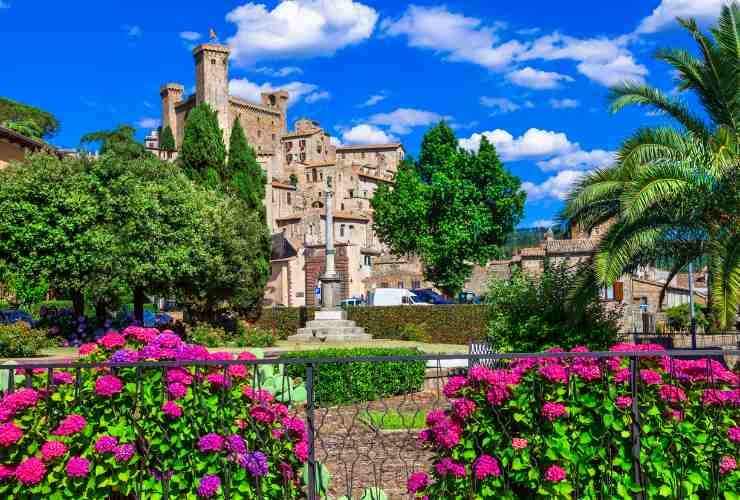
[{"x": 367, "y": 446}]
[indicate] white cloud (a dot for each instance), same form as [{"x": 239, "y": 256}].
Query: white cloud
[
  {"x": 557, "y": 186},
  {"x": 620, "y": 70},
  {"x": 335, "y": 141},
  {"x": 246, "y": 89},
  {"x": 280, "y": 72},
  {"x": 373, "y": 100},
  {"x": 544, "y": 223},
  {"x": 402, "y": 120},
  {"x": 604, "y": 60},
  {"x": 317, "y": 96},
  {"x": 665, "y": 14},
  {"x": 460, "y": 38},
  {"x": 564, "y": 103},
  {"x": 149, "y": 122},
  {"x": 132, "y": 31},
  {"x": 366, "y": 134},
  {"x": 190, "y": 35},
  {"x": 298, "y": 28},
  {"x": 463, "y": 126},
  {"x": 528, "y": 31},
  {"x": 536, "y": 79},
  {"x": 499, "y": 104},
  {"x": 534, "y": 143},
  {"x": 580, "y": 160}
]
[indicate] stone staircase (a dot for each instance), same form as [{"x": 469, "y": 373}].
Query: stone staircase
[{"x": 331, "y": 326}]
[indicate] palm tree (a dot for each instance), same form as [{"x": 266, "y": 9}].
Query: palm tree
[{"x": 674, "y": 193}]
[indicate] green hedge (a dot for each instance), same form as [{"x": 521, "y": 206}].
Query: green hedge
[
  {"x": 19, "y": 340},
  {"x": 441, "y": 324},
  {"x": 341, "y": 383}
]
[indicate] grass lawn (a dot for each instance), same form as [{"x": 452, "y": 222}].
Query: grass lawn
[{"x": 394, "y": 420}]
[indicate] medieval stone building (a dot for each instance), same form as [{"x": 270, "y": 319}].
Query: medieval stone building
[{"x": 299, "y": 164}]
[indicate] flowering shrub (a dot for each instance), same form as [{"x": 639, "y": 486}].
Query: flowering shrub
[
  {"x": 563, "y": 427},
  {"x": 125, "y": 432}
]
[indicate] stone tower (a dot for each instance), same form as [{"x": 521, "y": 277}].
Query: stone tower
[
  {"x": 277, "y": 100},
  {"x": 212, "y": 82},
  {"x": 171, "y": 95}
]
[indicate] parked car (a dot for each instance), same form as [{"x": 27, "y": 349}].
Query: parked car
[
  {"x": 469, "y": 297},
  {"x": 394, "y": 297},
  {"x": 430, "y": 296},
  {"x": 352, "y": 301}
]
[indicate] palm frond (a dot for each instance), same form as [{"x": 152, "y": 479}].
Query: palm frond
[{"x": 725, "y": 270}]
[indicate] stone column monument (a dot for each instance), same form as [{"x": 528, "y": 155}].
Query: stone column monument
[{"x": 330, "y": 323}]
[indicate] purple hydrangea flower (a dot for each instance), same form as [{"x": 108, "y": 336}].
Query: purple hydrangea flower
[
  {"x": 255, "y": 463},
  {"x": 209, "y": 486}
]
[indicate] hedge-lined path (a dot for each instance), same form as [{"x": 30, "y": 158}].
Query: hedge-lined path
[{"x": 360, "y": 457}]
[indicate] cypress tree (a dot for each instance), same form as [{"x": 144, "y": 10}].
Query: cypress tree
[
  {"x": 167, "y": 140},
  {"x": 246, "y": 175},
  {"x": 203, "y": 154}
]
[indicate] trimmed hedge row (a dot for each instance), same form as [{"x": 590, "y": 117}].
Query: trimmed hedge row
[
  {"x": 440, "y": 324},
  {"x": 341, "y": 383}
]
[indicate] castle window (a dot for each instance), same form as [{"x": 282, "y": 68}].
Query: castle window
[
  {"x": 362, "y": 155},
  {"x": 303, "y": 157},
  {"x": 318, "y": 148},
  {"x": 321, "y": 176},
  {"x": 288, "y": 198},
  {"x": 259, "y": 133},
  {"x": 341, "y": 230},
  {"x": 351, "y": 193},
  {"x": 213, "y": 61},
  {"x": 368, "y": 260},
  {"x": 302, "y": 143},
  {"x": 308, "y": 178},
  {"x": 290, "y": 158},
  {"x": 273, "y": 137}
]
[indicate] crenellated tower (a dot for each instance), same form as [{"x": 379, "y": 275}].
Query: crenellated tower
[{"x": 212, "y": 81}]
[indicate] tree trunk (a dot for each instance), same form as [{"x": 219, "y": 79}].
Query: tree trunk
[
  {"x": 139, "y": 298},
  {"x": 101, "y": 313},
  {"x": 78, "y": 303}
]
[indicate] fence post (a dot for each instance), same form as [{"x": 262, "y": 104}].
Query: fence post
[
  {"x": 634, "y": 380},
  {"x": 310, "y": 424}
]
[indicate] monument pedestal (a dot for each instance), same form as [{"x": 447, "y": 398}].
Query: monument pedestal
[{"x": 331, "y": 325}]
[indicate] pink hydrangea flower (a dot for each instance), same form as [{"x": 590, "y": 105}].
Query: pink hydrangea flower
[
  {"x": 551, "y": 411},
  {"x": 301, "y": 451},
  {"x": 721, "y": 397},
  {"x": 235, "y": 444},
  {"x": 218, "y": 380},
  {"x": 106, "y": 444},
  {"x": 498, "y": 395},
  {"x": 519, "y": 443},
  {"x": 417, "y": 481},
  {"x": 727, "y": 464},
  {"x": 295, "y": 427},
  {"x": 167, "y": 340},
  {"x": 246, "y": 355},
  {"x": 63, "y": 378},
  {"x": 262, "y": 414},
  {"x": 70, "y": 425},
  {"x": 16, "y": 402},
  {"x": 486, "y": 466},
  {"x": 733, "y": 433},
  {"x": 6, "y": 472},
  {"x": 30, "y": 471},
  {"x": 124, "y": 452},
  {"x": 111, "y": 340},
  {"x": 209, "y": 486},
  {"x": 177, "y": 391},
  {"x": 179, "y": 375},
  {"x": 172, "y": 409},
  {"x": 86, "y": 349},
  {"x": 622, "y": 375},
  {"x": 672, "y": 394},
  {"x": 53, "y": 449},
  {"x": 447, "y": 466},
  {"x": 555, "y": 473},
  {"x": 676, "y": 415},
  {"x": 78, "y": 467},
  {"x": 210, "y": 442},
  {"x": 108, "y": 386},
  {"x": 453, "y": 386},
  {"x": 463, "y": 407},
  {"x": 237, "y": 371},
  {"x": 588, "y": 372},
  {"x": 554, "y": 373},
  {"x": 623, "y": 402},
  {"x": 480, "y": 373},
  {"x": 650, "y": 377},
  {"x": 10, "y": 434}
]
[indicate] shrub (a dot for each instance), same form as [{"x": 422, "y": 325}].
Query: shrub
[
  {"x": 18, "y": 340},
  {"x": 532, "y": 314},
  {"x": 679, "y": 317},
  {"x": 443, "y": 324},
  {"x": 349, "y": 382},
  {"x": 125, "y": 432},
  {"x": 253, "y": 336},
  {"x": 207, "y": 335},
  {"x": 563, "y": 428}
]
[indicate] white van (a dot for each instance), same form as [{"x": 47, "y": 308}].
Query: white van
[{"x": 394, "y": 297}]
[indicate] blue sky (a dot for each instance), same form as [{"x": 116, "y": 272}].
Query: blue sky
[{"x": 532, "y": 76}]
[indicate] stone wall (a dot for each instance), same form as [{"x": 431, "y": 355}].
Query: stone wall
[{"x": 314, "y": 265}]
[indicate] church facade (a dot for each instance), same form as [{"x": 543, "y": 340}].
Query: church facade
[{"x": 299, "y": 164}]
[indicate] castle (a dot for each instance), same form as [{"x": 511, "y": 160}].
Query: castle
[{"x": 298, "y": 165}]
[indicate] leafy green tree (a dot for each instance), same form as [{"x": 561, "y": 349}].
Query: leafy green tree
[
  {"x": 674, "y": 193},
  {"x": 167, "y": 139},
  {"x": 119, "y": 142},
  {"x": 245, "y": 175},
  {"x": 531, "y": 313},
  {"x": 49, "y": 226},
  {"x": 41, "y": 124},
  {"x": 203, "y": 154},
  {"x": 452, "y": 213}
]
